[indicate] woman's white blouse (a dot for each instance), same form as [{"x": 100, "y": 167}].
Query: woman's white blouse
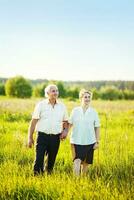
[{"x": 83, "y": 132}]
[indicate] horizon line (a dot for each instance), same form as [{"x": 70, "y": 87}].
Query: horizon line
[{"x": 34, "y": 79}]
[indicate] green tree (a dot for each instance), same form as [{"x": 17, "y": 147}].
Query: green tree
[
  {"x": 18, "y": 87},
  {"x": 61, "y": 88},
  {"x": 2, "y": 89},
  {"x": 128, "y": 94},
  {"x": 73, "y": 93},
  {"x": 96, "y": 93},
  {"x": 38, "y": 91},
  {"x": 109, "y": 93}
]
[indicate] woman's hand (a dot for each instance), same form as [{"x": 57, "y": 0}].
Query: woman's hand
[
  {"x": 96, "y": 145},
  {"x": 64, "y": 134}
]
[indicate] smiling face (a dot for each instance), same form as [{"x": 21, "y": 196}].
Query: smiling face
[
  {"x": 53, "y": 92},
  {"x": 86, "y": 99}
]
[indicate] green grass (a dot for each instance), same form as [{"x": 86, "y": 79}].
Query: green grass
[{"x": 110, "y": 177}]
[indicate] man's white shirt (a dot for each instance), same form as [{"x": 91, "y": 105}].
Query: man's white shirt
[{"x": 50, "y": 119}]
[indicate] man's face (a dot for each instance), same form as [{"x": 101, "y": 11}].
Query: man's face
[{"x": 53, "y": 93}]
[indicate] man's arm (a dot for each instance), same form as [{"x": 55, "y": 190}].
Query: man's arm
[
  {"x": 65, "y": 130},
  {"x": 31, "y": 131}
]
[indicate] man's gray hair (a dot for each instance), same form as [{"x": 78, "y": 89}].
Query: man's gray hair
[{"x": 48, "y": 88}]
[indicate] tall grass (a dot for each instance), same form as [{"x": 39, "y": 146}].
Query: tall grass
[{"x": 110, "y": 177}]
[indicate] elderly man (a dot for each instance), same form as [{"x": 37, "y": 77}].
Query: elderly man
[{"x": 51, "y": 121}]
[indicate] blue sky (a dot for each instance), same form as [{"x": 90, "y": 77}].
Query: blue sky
[{"x": 67, "y": 40}]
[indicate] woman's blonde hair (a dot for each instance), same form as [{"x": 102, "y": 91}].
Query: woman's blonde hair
[{"x": 83, "y": 91}]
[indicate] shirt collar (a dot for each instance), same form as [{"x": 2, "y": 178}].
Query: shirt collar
[
  {"x": 48, "y": 102},
  {"x": 88, "y": 110}
]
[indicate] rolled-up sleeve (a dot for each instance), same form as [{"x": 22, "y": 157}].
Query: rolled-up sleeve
[
  {"x": 65, "y": 118},
  {"x": 97, "y": 120},
  {"x": 37, "y": 111},
  {"x": 71, "y": 118}
]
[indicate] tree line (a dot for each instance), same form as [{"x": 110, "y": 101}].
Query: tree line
[{"x": 108, "y": 90}]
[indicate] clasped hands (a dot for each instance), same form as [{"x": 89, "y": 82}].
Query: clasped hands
[{"x": 63, "y": 134}]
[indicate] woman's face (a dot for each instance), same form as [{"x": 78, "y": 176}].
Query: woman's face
[{"x": 86, "y": 99}]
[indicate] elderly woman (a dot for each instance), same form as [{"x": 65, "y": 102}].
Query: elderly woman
[{"x": 85, "y": 134}]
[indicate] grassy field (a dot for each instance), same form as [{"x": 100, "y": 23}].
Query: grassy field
[{"x": 110, "y": 177}]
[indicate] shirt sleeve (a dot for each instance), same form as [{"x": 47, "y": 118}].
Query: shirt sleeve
[
  {"x": 65, "y": 118},
  {"x": 37, "y": 111},
  {"x": 97, "y": 120},
  {"x": 71, "y": 117}
]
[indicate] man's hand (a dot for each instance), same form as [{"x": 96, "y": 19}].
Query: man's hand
[
  {"x": 31, "y": 131},
  {"x": 64, "y": 134},
  {"x": 96, "y": 146},
  {"x": 30, "y": 142}
]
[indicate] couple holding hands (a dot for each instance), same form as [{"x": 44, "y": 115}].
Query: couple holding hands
[{"x": 51, "y": 122}]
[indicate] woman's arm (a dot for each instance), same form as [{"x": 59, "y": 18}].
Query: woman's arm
[{"x": 97, "y": 135}]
